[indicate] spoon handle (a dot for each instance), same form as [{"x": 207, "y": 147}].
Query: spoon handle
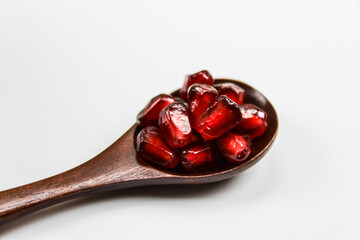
[
  {"x": 20, "y": 201},
  {"x": 114, "y": 168}
]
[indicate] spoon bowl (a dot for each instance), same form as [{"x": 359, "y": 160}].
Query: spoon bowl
[{"x": 119, "y": 167}]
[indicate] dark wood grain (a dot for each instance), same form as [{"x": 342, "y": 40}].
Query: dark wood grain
[{"x": 120, "y": 167}]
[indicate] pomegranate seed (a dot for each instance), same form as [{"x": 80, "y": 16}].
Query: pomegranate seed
[
  {"x": 213, "y": 111},
  {"x": 150, "y": 114},
  {"x": 203, "y": 77},
  {"x": 232, "y": 91},
  {"x": 199, "y": 156},
  {"x": 219, "y": 118},
  {"x": 234, "y": 147},
  {"x": 200, "y": 98},
  {"x": 253, "y": 122},
  {"x": 175, "y": 125},
  {"x": 151, "y": 145}
]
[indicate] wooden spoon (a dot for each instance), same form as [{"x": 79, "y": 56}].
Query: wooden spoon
[{"x": 119, "y": 167}]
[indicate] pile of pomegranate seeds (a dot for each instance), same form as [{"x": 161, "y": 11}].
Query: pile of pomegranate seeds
[{"x": 207, "y": 122}]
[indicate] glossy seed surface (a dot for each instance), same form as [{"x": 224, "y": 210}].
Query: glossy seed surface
[
  {"x": 151, "y": 145},
  {"x": 232, "y": 91},
  {"x": 202, "y": 77},
  {"x": 150, "y": 114},
  {"x": 175, "y": 125},
  {"x": 200, "y": 98},
  {"x": 234, "y": 147},
  {"x": 219, "y": 118},
  {"x": 254, "y": 121},
  {"x": 199, "y": 156}
]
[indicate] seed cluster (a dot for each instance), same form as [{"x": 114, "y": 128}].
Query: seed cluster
[{"x": 207, "y": 121}]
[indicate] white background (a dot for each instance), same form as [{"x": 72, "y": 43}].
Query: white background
[{"x": 74, "y": 74}]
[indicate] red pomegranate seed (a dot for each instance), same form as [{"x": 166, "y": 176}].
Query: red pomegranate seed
[
  {"x": 219, "y": 118},
  {"x": 253, "y": 122},
  {"x": 151, "y": 145},
  {"x": 232, "y": 91},
  {"x": 199, "y": 156},
  {"x": 175, "y": 125},
  {"x": 234, "y": 147},
  {"x": 203, "y": 77},
  {"x": 200, "y": 98},
  {"x": 150, "y": 114}
]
